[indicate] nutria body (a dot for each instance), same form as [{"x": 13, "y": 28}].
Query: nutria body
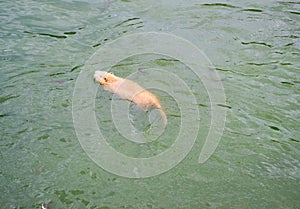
[{"x": 129, "y": 90}]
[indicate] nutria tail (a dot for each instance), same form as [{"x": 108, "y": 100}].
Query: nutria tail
[{"x": 163, "y": 116}]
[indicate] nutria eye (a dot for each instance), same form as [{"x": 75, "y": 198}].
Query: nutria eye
[{"x": 105, "y": 79}]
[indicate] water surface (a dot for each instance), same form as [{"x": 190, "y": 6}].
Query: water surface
[{"x": 254, "y": 46}]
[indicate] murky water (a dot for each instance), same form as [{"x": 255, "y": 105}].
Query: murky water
[{"x": 255, "y": 46}]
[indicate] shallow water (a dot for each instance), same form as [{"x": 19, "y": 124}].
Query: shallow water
[{"x": 254, "y": 46}]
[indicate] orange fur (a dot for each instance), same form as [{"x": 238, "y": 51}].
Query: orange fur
[{"x": 129, "y": 90}]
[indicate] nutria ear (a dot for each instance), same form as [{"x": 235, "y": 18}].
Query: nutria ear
[
  {"x": 110, "y": 79},
  {"x": 111, "y": 73}
]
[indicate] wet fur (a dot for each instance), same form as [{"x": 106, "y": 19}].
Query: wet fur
[{"x": 129, "y": 90}]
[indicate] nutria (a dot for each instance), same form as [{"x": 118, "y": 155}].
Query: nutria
[{"x": 129, "y": 90}]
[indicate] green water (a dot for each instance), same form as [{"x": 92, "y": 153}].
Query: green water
[{"x": 255, "y": 46}]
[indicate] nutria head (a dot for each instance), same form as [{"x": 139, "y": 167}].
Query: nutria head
[{"x": 104, "y": 78}]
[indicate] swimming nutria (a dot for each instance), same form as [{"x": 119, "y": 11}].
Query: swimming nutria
[{"x": 129, "y": 90}]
